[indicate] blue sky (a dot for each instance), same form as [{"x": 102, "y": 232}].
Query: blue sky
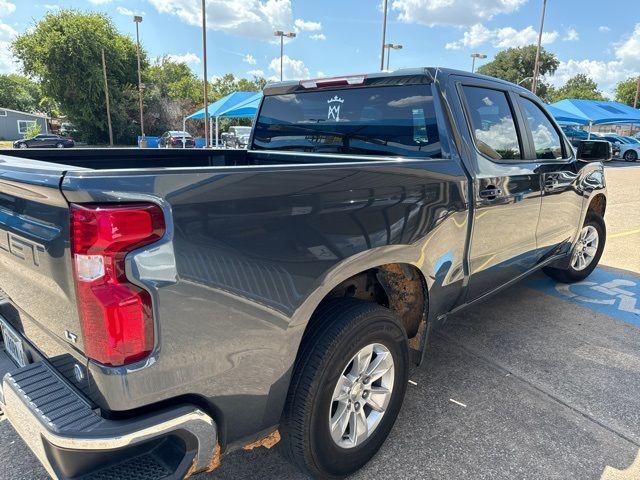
[{"x": 343, "y": 36}]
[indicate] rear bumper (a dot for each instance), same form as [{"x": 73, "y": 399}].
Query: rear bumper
[{"x": 73, "y": 441}]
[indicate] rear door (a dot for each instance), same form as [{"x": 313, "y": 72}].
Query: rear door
[
  {"x": 561, "y": 210},
  {"x": 506, "y": 188}
]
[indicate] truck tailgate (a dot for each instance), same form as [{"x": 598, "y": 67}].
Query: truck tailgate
[{"x": 37, "y": 294}]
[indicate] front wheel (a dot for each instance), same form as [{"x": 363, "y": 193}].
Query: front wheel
[
  {"x": 23, "y": 145},
  {"x": 630, "y": 156},
  {"x": 586, "y": 252},
  {"x": 347, "y": 388}
]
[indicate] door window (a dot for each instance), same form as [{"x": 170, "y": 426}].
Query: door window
[
  {"x": 546, "y": 139},
  {"x": 492, "y": 123}
]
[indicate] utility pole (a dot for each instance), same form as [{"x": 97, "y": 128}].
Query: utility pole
[
  {"x": 384, "y": 34},
  {"x": 536, "y": 67},
  {"x": 106, "y": 95},
  {"x": 281, "y": 34},
  {"x": 473, "y": 61},
  {"x": 138, "y": 19},
  {"x": 389, "y": 47},
  {"x": 635, "y": 101},
  {"x": 206, "y": 81}
]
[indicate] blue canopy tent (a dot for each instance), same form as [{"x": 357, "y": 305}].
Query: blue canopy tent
[
  {"x": 596, "y": 112},
  {"x": 566, "y": 118},
  {"x": 245, "y": 109},
  {"x": 217, "y": 108}
]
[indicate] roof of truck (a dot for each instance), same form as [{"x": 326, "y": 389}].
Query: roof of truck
[{"x": 399, "y": 77}]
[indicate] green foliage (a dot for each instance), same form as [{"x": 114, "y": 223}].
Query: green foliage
[
  {"x": 578, "y": 86},
  {"x": 63, "y": 50},
  {"x": 516, "y": 65},
  {"x": 18, "y": 92},
  {"x": 626, "y": 90},
  {"x": 32, "y": 130},
  {"x": 173, "y": 80}
]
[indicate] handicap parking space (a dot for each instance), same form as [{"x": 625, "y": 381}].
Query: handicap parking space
[{"x": 612, "y": 292}]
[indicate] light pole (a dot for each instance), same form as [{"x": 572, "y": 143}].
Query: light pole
[
  {"x": 389, "y": 47},
  {"x": 384, "y": 34},
  {"x": 138, "y": 20},
  {"x": 281, "y": 34},
  {"x": 206, "y": 81},
  {"x": 536, "y": 66},
  {"x": 479, "y": 56}
]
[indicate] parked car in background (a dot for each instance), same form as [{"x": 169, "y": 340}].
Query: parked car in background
[
  {"x": 628, "y": 149},
  {"x": 237, "y": 137},
  {"x": 67, "y": 129},
  {"x": 632, "y": 139},
  {"x": 575, "y": 135},
  {"x": 175, "y": 139},
  {"x": 45, "y": 140}
]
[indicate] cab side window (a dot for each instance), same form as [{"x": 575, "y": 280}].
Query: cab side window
[
  {"x": 492, "y": 122},
  {"x": 546, "y": 139}
]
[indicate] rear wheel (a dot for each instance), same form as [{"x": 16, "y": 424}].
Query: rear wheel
[
  {"x": 59, "y": 145},
  {"x": 586, "y": 252},
  {"x": 630, "y": 156},
  {"x": 347, "y": 388}
]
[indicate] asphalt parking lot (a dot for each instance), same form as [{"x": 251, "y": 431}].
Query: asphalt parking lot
[{"x": 540, "y": 382}]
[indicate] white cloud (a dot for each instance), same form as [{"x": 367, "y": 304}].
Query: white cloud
[
  {"x": 8, "y": 63},
  {"x": 188, "y": 58},
  {"x": 318, "y": 36},
  {"x": 99, "y": 2},
  {"x": 605, "y": 73},
  {"x": 452, "y": 12},
  {"x": 248, "y": 58},
  {"x": 249, "y": 18},
  {"x": 128, "y": 12},
  {"x": 51, "y": 7},
  {"x": 571, "y": 36},
  {"x": 308, "y": 26},
  {"x": 292, "y": 69},
  {"x": 604, "y": 28},
  {"x": 256, "y": 73},
  {"x": 505, "y": 37},
  {"x": 6, "y": 8},
  {"x": 628, "y": 51}
]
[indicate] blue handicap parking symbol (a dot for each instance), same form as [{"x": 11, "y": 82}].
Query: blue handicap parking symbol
[{"x": 607, "y": 291}]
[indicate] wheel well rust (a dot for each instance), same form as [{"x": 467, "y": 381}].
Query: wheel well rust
[
  {"x": 397, "y": 286},
  {"x": 598, "y": 204}
]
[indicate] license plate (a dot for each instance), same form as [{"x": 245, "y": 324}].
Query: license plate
[{"x": 13, "y": 346}]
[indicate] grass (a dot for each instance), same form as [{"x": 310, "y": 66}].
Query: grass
[{"x": 6, "y": 144}]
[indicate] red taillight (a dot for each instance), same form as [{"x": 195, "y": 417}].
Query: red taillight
[{"x": 116, "y": 316}]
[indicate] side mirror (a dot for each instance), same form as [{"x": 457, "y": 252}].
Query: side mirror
[{"x": 594, "y": 151}]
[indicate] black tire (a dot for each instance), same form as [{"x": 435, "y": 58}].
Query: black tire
[
  {"x": 571, "y": 275},
  {"x": 630, "y": 156},
  {"x": 342, "y": 328},
  {"x": 59, "y": 145}
]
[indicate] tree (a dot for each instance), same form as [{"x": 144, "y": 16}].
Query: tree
[
  {"x": 32, "y": 130},
  {"x": 18, "y": 92},
  {"x": 63, "y": 51},
  {"x": 626, "y": 91},
  {"x": 578, "y": 86},
  {"x": 516, "y": 65}
]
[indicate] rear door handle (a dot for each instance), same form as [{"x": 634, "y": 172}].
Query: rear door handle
[{"x": 490, "y": 193}]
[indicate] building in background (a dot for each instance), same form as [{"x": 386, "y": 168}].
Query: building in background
[{"x": 14, "y": 124}]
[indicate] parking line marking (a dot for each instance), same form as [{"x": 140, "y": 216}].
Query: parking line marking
[
  {"x": 457, "y": 402},
  {"x": 624, "y": 234}
]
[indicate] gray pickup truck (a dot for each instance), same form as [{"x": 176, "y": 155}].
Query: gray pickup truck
[{"x": 162, "y": 308}]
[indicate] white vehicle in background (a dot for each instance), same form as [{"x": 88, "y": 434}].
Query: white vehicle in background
[
  {"x": 629, "y": 149},
  {"x": 237, "y": 137}
]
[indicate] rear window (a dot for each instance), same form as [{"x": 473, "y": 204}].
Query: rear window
[{"x": 394, "y": 121}]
